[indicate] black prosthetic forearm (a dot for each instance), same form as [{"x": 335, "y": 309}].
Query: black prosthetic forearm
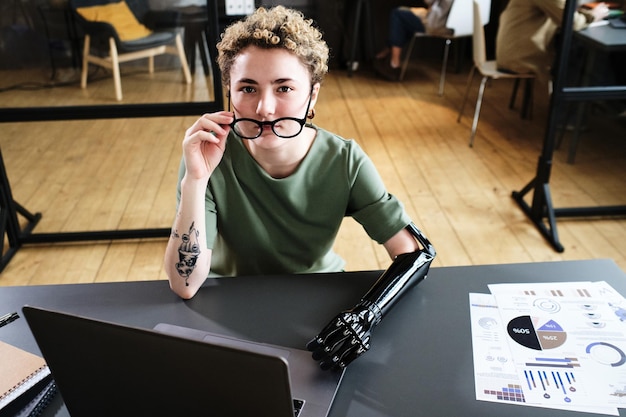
[
  {"x": 347, "y": 336},
  {"x": 401, "y": 275}
]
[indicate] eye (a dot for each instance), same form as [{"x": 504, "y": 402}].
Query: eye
[
  {"x": 248, "y": 89},
  {"x": 284, "y": 89}
]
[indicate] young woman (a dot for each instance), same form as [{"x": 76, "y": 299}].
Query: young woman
[{"x": 261, "y": 191}]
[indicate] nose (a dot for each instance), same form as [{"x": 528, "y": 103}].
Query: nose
[{"x": 266, "y": 105}]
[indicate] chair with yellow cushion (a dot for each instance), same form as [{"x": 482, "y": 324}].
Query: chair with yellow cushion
[{"x": 117, "y": 25}]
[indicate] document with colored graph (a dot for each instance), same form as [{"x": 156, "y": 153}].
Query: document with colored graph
[
  {"x": 567, "y": 341},
  {"x": 495, "y": 367}
]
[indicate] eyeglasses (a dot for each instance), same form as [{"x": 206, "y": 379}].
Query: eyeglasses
[{"x": 284, "y": 127}]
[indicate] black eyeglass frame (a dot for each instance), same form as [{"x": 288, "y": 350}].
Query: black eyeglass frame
[{"x": 272, "y": 123}]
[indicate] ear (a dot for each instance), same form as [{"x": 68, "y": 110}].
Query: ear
[{"x": 315, "y": 91}]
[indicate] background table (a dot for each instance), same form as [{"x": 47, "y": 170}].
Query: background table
[
  {"x": 598, "y": 38},
  {"x": 541, "y": 211},
  {"x": 420, "y": 363},
  {"x": 603, "y": 36}
]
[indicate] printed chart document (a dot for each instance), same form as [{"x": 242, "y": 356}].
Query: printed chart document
[{"x": 553, "y": 345}]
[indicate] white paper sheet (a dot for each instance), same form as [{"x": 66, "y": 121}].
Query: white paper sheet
[{"x": 554, "y": 345}]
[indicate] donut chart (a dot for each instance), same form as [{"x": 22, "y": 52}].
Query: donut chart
[
  {"x": 535, "y": 334},
  {"x": 607, "y": 354}
]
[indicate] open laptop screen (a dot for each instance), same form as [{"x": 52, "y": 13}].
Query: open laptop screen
[{"x": 105, "y": 369}]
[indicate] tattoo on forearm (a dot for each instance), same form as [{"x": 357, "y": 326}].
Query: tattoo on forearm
[{"x": 188, "y": 253}]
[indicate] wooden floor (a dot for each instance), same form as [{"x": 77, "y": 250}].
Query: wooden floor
[{"x": 121, "y": 174}]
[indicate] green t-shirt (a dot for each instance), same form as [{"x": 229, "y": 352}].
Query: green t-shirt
[{"x": 257, "y": 224}]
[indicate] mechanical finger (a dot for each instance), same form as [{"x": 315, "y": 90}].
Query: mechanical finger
[{"x": 327, "y": 345}]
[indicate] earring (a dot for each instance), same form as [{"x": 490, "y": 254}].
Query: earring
[{"x": 311, "y": 114}]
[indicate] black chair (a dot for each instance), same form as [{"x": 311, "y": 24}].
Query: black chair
[{"x": 121, "y": 31}]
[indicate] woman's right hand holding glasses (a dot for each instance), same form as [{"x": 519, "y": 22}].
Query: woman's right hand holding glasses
[{"x": 204, "y": 144}]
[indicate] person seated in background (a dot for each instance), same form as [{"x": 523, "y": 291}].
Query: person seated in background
[
  {"x": 404, "y": 22},
  {"x": 525, "y": 38}
]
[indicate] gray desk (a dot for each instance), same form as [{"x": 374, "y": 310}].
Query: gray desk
[
  {"x": 604, "y": 37},
  {"x": 420, "y": 363}
]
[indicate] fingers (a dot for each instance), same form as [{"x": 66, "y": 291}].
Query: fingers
[
  {"x": 326, "y": 343},
  {"x": 212, "y": 127},
  {"x": 601, "y": 11},
  {"x": 338, "y": 344},
  {"x": 340, "y": 355},
  {"x": 204, "y": 144}
]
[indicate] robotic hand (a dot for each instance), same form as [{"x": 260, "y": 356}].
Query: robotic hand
[{"x": 347, "y": 336}]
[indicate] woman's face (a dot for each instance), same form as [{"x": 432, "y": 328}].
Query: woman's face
[{"x": 267, "y": 84}]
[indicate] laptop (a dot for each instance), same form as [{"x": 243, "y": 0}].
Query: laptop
[{"x": 108, "y": 369}]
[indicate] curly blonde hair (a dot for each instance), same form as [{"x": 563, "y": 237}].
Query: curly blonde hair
[{"x": 277, "y": 27}]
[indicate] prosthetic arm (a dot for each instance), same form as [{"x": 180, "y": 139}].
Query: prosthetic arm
[{"x": 347, "y": 336}]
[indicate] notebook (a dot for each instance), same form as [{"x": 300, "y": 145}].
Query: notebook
[
  {"x": 22, "y": 377},
  {"x": 39, "y": 403},
  {"x": 107, "y": 369}
]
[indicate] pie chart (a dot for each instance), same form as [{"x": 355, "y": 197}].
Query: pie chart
[{"x": 536, "y": 334}]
